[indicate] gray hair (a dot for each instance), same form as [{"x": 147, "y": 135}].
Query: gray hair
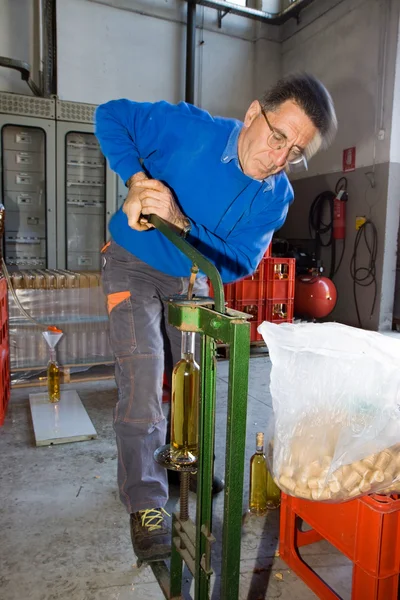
[{"x": 312, "y": 97}]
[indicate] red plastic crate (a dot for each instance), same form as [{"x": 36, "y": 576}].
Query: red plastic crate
[
  {"x": 279, "y": 311},
  {"x": 229, "y": 292},
  {"x": 3, "y": 301},
  {"x": 256, "y": 309},
  {"x": 259, "y": 273},
  {"x": 249, "y": 290},
  {"x": 366, "y": 530},
  {"x": 254, "y": 335},
  {"x": 280, "y": 277},
  {"x": 268, "y": 251},
  {"x": 166, "y": 393},
  {"x": 4, "y": 382},
  {"x": 5, "y": 386},
  {"x": 251, "y": 287}
]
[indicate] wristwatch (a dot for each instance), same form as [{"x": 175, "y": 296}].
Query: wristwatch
[{"x": 187, "y": 226}]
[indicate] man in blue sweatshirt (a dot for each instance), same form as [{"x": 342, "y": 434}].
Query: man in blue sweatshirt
[{"x": 221, "y": 184}]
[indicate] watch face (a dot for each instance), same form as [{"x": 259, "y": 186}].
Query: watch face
[{"x": 186, "y": 228}]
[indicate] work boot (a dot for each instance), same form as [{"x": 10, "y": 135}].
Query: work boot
[{"x": 151, "y": 536}]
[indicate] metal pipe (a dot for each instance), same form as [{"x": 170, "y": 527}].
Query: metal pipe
[
  {"x": 251, "y": 13},
  {"x": 41, "y": 45},
  {"x": 49, "y": 51},
  {"x": 25, "y": 71},
  {"x": 190, "y": 51}
]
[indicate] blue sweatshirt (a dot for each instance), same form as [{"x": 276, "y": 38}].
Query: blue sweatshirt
[{"x": 233, "y": 216}]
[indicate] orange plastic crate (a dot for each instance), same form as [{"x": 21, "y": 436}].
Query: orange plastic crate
[
  {"x": 366, "y": 530},
  {"x": 280, "y": 277},
  {"x": 279, "y": 311}
]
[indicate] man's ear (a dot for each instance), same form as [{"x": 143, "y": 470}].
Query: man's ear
[{"x": 252, "y": 113}]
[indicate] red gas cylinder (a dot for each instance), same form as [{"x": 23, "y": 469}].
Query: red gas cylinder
[{"x": 315, "y": 296}]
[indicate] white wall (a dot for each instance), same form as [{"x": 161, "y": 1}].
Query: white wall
[
  {"x": 136, "y": 49},
  {"x": 225, "y": 74},
  {"x": 16, "y": 41},
  {"x": 106, "y": 53},
  {"x": 142, "y": 56},
  {"x": 351, "y": 47},
  {"x": 395, "y": 137},
  {"x": 267, "y": 65}
]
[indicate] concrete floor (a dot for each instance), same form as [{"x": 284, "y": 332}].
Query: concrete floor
[{"x": 65, "y": 535}]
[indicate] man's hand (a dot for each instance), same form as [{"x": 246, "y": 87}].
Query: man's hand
[
  {"x": 156, "y": 198},
  {"x": 132, "y": 206}
]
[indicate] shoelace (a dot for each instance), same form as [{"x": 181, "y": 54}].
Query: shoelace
[{"x": 152, "y": 518}]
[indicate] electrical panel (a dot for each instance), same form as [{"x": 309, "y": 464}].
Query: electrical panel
[
  {"x": 56, "y": 186},
  {"x": 85, "y": 201},
  {"x": 86, "y": 189},
  {"x": 24, "y": 196},
  {"x": 27, "y": 183}
]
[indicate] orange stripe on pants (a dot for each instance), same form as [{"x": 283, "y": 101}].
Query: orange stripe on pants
[
  {"x": 104, "y": 248},
  {"x": 114, "y": 299}
]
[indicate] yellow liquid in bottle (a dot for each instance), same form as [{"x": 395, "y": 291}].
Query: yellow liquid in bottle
[
  {"x": 258, "y": 504},
  {"x": 184, "y": 411},
  {"x": 273, "y": 493},
  {"x": 53, "y": 381}
]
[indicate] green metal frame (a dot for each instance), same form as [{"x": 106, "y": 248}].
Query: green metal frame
[
  {"x": 197, "y": 259},
  {"x": 191, "y": 543}
]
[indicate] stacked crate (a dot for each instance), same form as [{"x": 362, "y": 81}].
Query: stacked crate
[
  {"x": 4, "y": 352},
  {"x": 250, "y": 298},
  {"x": 267, "y": 295},
  {"x": 279, "y": 292}
]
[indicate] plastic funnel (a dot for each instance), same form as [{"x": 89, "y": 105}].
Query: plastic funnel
[{"x": 52, "y": 336}]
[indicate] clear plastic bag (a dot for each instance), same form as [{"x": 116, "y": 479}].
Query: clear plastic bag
[{"x": 336, "y": 400}]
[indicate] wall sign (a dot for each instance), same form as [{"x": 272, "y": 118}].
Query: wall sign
[{"x": 349, "y": 159}]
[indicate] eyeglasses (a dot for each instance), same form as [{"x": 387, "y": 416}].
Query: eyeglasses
[{"x": 277, "y": 141}]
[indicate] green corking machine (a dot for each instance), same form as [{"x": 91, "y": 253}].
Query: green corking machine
[{"x": 191, "y": 542}]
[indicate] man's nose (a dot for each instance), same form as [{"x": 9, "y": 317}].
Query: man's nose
[{"x": 280, "y": 157}]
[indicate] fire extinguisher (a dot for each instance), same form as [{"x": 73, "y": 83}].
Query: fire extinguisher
[{"x": 339, "y": 209}]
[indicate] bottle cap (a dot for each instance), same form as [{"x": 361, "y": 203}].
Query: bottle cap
[{"x": 259, "y": 439}]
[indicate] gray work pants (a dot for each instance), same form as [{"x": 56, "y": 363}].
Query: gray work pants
[{"x": 144, "y": 345}]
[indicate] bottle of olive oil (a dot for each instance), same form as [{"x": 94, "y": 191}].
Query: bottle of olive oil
[
  {"x": 52, "y": 336},
  {"x": 185, "y": 404},
  {"x": 273, "y": 492},
  {"x": 53, "y": 377},
  {"x": 258, "y": 501}
]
